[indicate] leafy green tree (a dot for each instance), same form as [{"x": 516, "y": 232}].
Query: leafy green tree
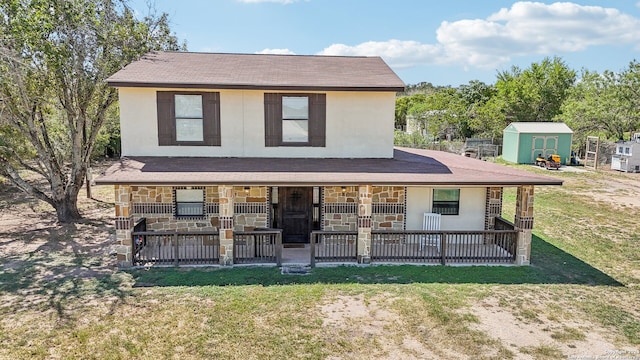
[
  {"x": 54, "y": 58},
  {"x": 403, "y": 104},
  {"x": 442, "y": 112},
  {"x": 489, "y": 119},
  {"x": 480, "y": 120},
  {"x": 630, "y": 94},
  {"x": 536, "y": 93},
  {"x": 605, "y": 103}
]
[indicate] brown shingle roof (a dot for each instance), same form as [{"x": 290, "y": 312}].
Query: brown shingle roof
[
  {"x": 407, "y": 167},
  {"x": 258, "y": 71}
]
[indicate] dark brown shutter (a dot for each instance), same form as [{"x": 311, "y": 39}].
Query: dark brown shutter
[
  {"x": 272, "y": 119},
  {"x": 166, "y": 119},
  {"x": 317, "y": 119},
  {"x": 211, "y": 118}
]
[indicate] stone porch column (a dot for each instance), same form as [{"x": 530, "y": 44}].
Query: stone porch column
[
  {"x": 493, "y": 207},
  {"x": 123, "y": 225},
  {"x": 226, "y": 199},
  {"x": 365, "y": 199},
  {"x": 524, "y": 223}
]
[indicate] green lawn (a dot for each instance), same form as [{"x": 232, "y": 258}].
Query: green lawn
[{"x": 65, "y": 301}]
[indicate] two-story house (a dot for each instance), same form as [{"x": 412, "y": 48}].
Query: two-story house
[{"x": 229, "y": 158}]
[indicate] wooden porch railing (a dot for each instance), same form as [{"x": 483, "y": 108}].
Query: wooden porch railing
[
  {"x": 503, "y": 224},
  {"x": 265, "y": 246},
  {"x": 255, "y": 247},
  {"x": 486, "y": 246},
  {"x": 175, "y": 248},
  {"x": 334, "y": 246}
]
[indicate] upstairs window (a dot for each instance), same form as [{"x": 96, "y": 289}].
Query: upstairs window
[
  {"x": 189, "y": 202},
  {"x": 295, "y": 119},
  {"x": 188, "y": 118},
  {"x": 446, "y": 201}
]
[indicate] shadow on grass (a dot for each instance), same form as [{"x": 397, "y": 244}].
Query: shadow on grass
[
  {"x": 550, "y": 265},
  {"x": 61, "y": 266}
]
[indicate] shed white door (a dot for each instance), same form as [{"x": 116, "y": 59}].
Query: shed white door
[{"x": 544, "y": 145}]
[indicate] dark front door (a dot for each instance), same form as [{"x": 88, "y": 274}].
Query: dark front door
[{"x": 295, "y": 214}]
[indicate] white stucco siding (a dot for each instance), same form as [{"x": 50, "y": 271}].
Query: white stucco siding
[
  {"x": 358, "y": 125},
  {"x": 470, "y": 217}
]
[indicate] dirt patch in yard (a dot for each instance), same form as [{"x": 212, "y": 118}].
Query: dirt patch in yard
[
  {"x": 354, "y": 316},
  {"x": 616, "y": 188},
  {"x": 531, "y": 334}
]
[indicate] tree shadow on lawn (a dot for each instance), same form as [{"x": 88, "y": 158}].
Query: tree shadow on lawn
[
  {"x": 550, "y": 265},
  {"x": 58, "y": 267}
]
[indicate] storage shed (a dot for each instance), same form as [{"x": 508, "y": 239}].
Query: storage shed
[{"x": 523, "y": 141}]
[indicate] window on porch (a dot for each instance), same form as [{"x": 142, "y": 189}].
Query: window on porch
[
  {"x": 446, "y": 201},
  {"x": 189, "y": 202}
]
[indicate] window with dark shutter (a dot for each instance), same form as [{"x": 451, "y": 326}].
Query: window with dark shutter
[
  {"x": 188, "y": 118},
  {"x": 295, "y": 119}
]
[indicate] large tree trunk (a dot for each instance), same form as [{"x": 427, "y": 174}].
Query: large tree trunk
[{"x": 67, "y": 208}]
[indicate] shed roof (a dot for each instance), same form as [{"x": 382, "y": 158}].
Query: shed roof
[
  {"x": 407, "y": 167},
  {"x": 539, "y": 127},
  {"x": 258, "y": 71}
]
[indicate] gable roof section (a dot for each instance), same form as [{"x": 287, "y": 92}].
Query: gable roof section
[
  {"x": 407, "y": 167},
  {"x": 538, "y": 127},
  {"x": 258, "y": 71}
]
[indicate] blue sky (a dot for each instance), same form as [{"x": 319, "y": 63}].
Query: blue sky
[{"x": 442, "y": 42}]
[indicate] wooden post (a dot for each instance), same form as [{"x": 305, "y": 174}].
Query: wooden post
[
  {"x": 314, "y": 237},
  {"x": 175, "y": 241},
  {"x": 443, "y": 248},
  {"x": 279, "y": 248}
]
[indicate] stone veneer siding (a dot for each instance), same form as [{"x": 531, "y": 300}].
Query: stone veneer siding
[
  {"x": 123, "y": 224},
  {"x": 389, "y": 208},
  {"x": 493, "y": 207},
  {"x": 226, "y": 201},
  {"x": 365, "y": 201},
  {"x": 524, "y": 223},
  {"x": 156, "y": 204},
  {"x": 251, "y": 207},
  {"x": 340, "y": 208},
  {"x": 340, "y": 211}
]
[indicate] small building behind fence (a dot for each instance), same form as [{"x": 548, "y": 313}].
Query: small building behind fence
[{"x": 627, "y": 156}]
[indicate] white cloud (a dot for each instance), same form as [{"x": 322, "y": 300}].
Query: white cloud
[
  {"x": 397, "y": 53},
  {"x": 532, "y": 28},
  {"x": 276, "y": 51},
  {"x": 283, "y": 2},
  {"x": 527, "y": 28}
]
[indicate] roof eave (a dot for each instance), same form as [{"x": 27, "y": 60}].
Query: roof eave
[
  {"x": 312, "y": 183},
  {"x": 119, "y": 84}
]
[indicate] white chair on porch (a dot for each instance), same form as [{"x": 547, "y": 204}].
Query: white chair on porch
[{"x": 431, "y": 221}]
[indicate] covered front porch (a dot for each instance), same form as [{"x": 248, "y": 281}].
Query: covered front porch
[{"x": 244, "y": 211}]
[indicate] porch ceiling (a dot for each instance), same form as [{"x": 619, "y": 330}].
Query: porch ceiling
[{"x": 407, "y": 167}]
